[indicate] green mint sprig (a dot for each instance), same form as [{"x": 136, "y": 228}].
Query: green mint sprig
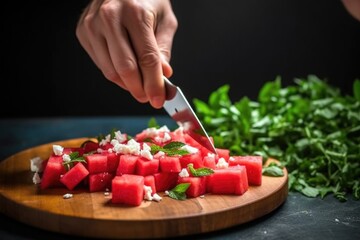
[
  {"x": 200, "y": 172},
  {"x": 74, "y": 158},
  {"x": 179, "y": 191},
  {"x": 170, "y": 149}
]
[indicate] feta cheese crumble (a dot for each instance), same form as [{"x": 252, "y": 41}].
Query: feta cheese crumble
[
  {"x": 36, "y": 164},
  {"x": 156, "y": 197},
  {"x": 66, "y": 158},
  {"x": 222, "y": 163},
  {"x": 58, "y": 150},
  {"x": 67, "y": 195},
  {"x": 189, "y": 149},
  {"x": 184, "y": 173},
  {"x": 147, "y": 193},
  {"x": 36, "y": 178}
]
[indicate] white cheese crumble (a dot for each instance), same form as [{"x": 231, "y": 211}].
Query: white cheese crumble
[
  {"x": 148, "y": 192},
  {"x": 145, "y": 152},
  {"x": 163, "y": 139},
  {"x": 67, "y": 195},
  {"x": 132, "y": 147},
  {"x": 189, "y": 149},
  {"x": 156, "y": 197},
  {"x": 36, "y": 164},
  {"x": 66, "y": 158},
  {"x": 36, "y": 178},
  {"x": 106, "y": 140},
  {"x": 58, "y": 150},
  {"x": 184, "y": 173},
  {"x": 120, "y": 137},
  {"x": 222, "y": 163},
  {"x": 159, "y": 154}
]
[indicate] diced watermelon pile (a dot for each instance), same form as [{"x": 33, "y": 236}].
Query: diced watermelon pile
[{"x": 153, "y": 161}]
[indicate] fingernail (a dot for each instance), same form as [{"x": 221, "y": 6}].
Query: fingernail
[{"x": 157, "y": 102}]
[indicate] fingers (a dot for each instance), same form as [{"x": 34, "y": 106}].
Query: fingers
[
  {"x": 165, "y": 33},
  {"x": 130, "y": 42}
]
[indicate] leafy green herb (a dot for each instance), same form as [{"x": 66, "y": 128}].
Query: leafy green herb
[
  {"x": 273, "y": 169},
  {"x": 199, "y": 172},
  {"x": 74, "y": 157},
  {"x": 309, "y": 126},
  {"x": 179, "y": 191},
  {"x": 152, "y": 123},
  {"x": 170, "y": 149}
]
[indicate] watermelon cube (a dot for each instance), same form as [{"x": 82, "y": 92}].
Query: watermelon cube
[
  {"x": 209, "y": 162},
  {"x": 223, "y": 153},
  {"x": 197, "y": 185},
  {"x": 231, "y": 180},
  {"x": 127, "y": 164},
  {"x": 100, "y": 181},
  {"x": 194, "y": 158},
  {"x": 165, "y": 181},
  {"x": 128, "y": 189},
  {"x": 112, "y": 161},
  {"x": 150, "y": 181},
  {"x": 74, "y": 176},
  {"x": 52, "y": 173},
  {"x": 169, "y": 164},
  {"x": 146, "y": 167},
  {"x": 253, "y": 166},
  {"x": 96, "y": 163},
  {"x": 90, "y": 146}
]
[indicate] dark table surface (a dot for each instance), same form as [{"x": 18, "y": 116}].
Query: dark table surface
[{"x": 299, "y": 217}]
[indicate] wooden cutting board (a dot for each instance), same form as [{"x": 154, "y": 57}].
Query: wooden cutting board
[{"x": 93, "y": 215}]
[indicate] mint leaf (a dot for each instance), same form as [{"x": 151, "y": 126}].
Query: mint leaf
[
  {"x": 273, "y": 170},
  {"x": 200, "y": 172},
  {"x": 170, "y": 149},
  {"x": 74, "y": 158},
  {"x": 153, "y": 123},
  {"x": 179, "y": 191},
  {"x": 174, "y": 145}
]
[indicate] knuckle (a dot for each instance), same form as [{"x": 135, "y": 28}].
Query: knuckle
[
  {"x": 126, "y": 69},
  {"x": 149, "y": 60}
]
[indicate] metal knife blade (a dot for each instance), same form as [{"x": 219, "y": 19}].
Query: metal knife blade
[{"x": 180, "y": 110}]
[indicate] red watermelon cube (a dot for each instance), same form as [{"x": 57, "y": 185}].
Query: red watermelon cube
[
  {"x": 112, "y": 161},
  {"x": 74, "y": 176},
  {"x": 146, "y": 167},
  {"x": 194, "y": 158},
  {"x": 90, "y": 146},
  {"x": 253, "y": 166},
  {"x": 231, "y": 180},
  {"x": 52, "y": 173},
  {"x": 169, "y": 164},
  {"x": 209, "y": 162},
  {"x": 223, "y": 153},
  {"x": 96, "y": 163},
  {"x": 197, "y": 185},
  {"x": 100, "y": 181},
  {"x": 150, "y": 181},
  {"x": 165, "y": 181},
  {"x": 128, "y": 189},
  {"x": 127, "y": 164}
]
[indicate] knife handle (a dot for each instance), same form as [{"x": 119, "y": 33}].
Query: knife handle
[{"x": 170, "y": 88}]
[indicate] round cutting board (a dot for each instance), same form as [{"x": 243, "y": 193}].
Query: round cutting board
[{"x": 93, "y": 215}]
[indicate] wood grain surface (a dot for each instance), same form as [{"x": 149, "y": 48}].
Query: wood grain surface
[{"x": 93, "y": 215}]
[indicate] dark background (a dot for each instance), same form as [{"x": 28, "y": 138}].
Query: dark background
[{"x": 245, "y": 43}]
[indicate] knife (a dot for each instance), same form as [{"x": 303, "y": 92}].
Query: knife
[{"x": 180, "y": 110}]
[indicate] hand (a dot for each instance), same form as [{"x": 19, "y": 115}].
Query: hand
[{"x": 130, "y": 42}]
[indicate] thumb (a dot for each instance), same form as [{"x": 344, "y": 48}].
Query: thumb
[
  {"x": 164, "y": 34},
  {"x": 167, "y": 69}
]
